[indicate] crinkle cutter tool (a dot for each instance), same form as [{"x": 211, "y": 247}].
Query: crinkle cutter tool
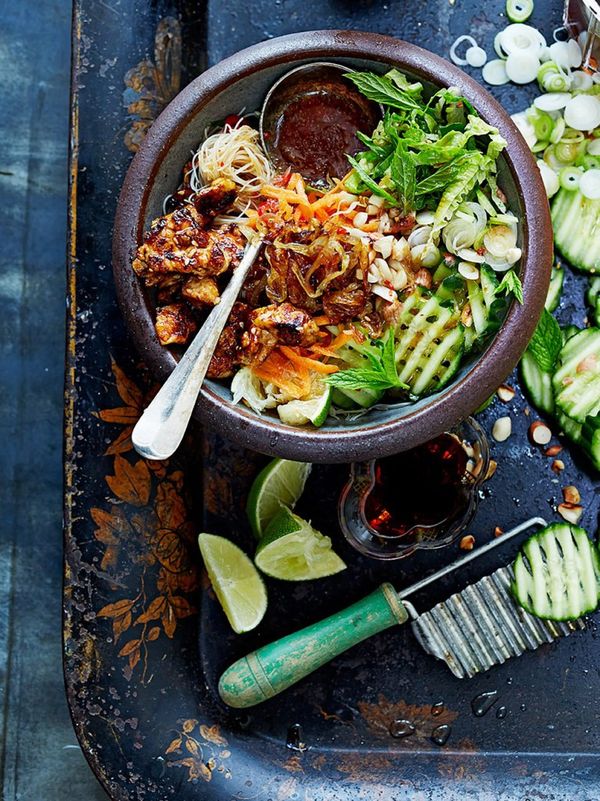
[{"x": 472, "y": 631}]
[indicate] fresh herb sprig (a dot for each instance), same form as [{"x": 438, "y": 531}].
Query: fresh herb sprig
[
  {"x": 546, "y": 342},
  {"x": 379, "y": 373},
  {"x": 511, "y": 285}
]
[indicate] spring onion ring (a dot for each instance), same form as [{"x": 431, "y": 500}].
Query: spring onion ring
[
  {"x": 494, "y": 72},
  {"x": 461, "y": 62},
  {"x": 589, "y": 184},
  {"x": 549, "y": 178},
  {"x": 519, "y": 10},
  {"x": 569, "y": 178}
]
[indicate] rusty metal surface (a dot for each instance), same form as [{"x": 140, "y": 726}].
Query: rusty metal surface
[{"x": 144, "y": 640}]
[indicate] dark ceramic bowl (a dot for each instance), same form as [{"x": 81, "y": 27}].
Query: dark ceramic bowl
[{"x": 242, "y": 81}]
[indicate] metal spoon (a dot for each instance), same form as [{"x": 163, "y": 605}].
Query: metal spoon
[{"x": 160, "y": 429}]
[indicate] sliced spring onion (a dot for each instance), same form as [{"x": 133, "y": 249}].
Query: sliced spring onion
[
  {"x": 560, "y": 34},
  {"x": 549, "y": 177},
  {"x": 593, "y": 147},
  {"x": 494, "y": 72},
  {"x": 575, "y": 54},
  {"x": 583, "y": 112},
  {"x": 498, "y": 45},
  {"x": 425, "y": 217},
  {"x": 519, "y": 10},
  {"x": 551, "y": 160},
  {"x": 552, "y": 78},
  {"x": 461, "y": 62},
  {"x": 560, "y": 54},
  {"x": 524, "y": 125},
  {"x": 589, "y": 184},
  {"x": 553, "y": 101},
  {"x": 566, "y": 152},
  {"x": 476, "y": 56},
  {"x": 558, "y": 130},
  {"x": 522, "y": 66},
  {"x": 543, "y": 124},
  {"x": 569, "y": 178},
  {"x": 519, "y": 37},
  {"x": 581, "y": 81},
  {"x": 539, "y": 147}
]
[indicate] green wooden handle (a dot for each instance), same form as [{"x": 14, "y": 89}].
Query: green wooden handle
[{"x": 274, "y": 667}]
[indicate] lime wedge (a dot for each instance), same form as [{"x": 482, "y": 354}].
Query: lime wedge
[
  {"x": 236, "y": 582},
  {"x": 279, "y": 484},
  {"x": 312, "y": 410},
  {"x": 291, "y": 549}
]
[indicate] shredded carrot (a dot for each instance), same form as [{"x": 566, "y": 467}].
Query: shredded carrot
[
  {"x": 322, "y": 319},
  {"x": 306, "y": 362},
  {"x": 278, "y": 370}
]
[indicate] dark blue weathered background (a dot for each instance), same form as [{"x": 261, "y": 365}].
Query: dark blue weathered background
[{"x": 40, "y": 759}]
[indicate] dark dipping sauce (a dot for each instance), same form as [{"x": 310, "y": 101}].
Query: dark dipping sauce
[
  {"x": 423, "y": 488},
  {"x": 313, "y": 125}
]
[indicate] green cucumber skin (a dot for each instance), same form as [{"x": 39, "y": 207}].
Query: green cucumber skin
[
  {"x": 557, "y": 278},
  {"x": 593, "y": 298},
  {"x": 489, "y": 284},
  {"x": 547, "y": 540},
  {"x": 590, "y": 439},
  {"x": 538, "y": 384},
  {"x": 355, "y": 398},
  {"x": 577, "y": 391},
  {"x": 576, "y": 222}
]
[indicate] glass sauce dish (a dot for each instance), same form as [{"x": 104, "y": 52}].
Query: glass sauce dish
[{"x": 419, "y": 499}]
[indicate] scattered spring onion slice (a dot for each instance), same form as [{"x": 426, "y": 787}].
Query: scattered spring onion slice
[
  {"x": 519, "y": 37},
  {"x": 519, "y": 10},
  {"x": 553, "y": 78},
  {"x": 522, "y": 66},
  {"x": 569, "y": 178},
  {"x": 558, "y": 131},
  {"x": 560, "y": 54},
  {"x": 461, "y": 62},
  {"x": 583, "y": 113},
  {"x": 494, "y": 72},
  {"x": 593, "y": 147},
  {"x": 589, "y": 184},
  {"x": 581, "y": 81},
  {"x": 575, "y": 54},
  {"x": 553, "y": 101},
  {"x": 476, "y": 56},
  {"x": 549, "y": 177}
]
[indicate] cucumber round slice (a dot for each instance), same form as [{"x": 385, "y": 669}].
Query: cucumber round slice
[{"x": 557, "y": 573}]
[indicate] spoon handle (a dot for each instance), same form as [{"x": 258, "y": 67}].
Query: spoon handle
[{"x": 160, "y": 429}]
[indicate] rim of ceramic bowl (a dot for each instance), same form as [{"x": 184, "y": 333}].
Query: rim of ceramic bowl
[{"x": 373, "y": 439}]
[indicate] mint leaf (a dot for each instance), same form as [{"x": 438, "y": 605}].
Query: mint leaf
[
  {"x": 511, "y": 284},
  {"x": 546, "y": 342},
  {"x": 370, "y": 183},
  {"x": 385, "y": 91},
  {"x": 380, "y": 371},
  {"x": 404, "y": 176}
]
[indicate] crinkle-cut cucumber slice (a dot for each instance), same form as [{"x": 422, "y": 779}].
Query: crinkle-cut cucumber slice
[
  {"x": 430, "y": 341},
  {"x": 576, "y": 382},
  {"x": 538, "y": 383},
  {"x": 557, "y": 278},
  {"x": 557, "y": 573},
  {"x": 576, "y": 222},
  {"x": 590, "y": 438}
]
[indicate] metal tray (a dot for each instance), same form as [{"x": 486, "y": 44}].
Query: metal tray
[{"x": 144, "y": 640}]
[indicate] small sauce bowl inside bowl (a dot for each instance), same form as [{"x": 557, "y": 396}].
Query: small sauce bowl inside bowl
[{"x": 309, "y": 121}]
